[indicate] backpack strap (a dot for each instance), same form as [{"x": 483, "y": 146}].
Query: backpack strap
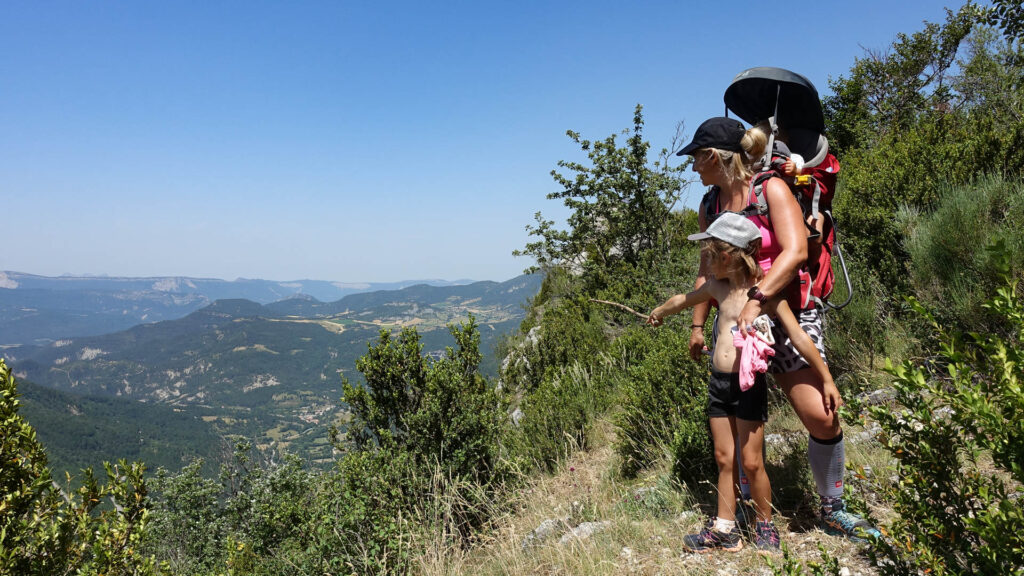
[
  {"x": 759, "y": 204},
  {"x": 757, "y": 207},
  {"x": 710, "y": 204},
  {"x": 815, "y": 198}
]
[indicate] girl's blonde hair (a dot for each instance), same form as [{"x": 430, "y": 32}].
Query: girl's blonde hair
[
  {"x": 739, "y": 166},
  {"x": 742, "y": 261}
]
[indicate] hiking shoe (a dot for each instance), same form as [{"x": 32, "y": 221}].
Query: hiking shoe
[
  {"x": 766, "y": 538},
  {"x": 709, "y": 539},
  {"x": 839, "y": 522}
]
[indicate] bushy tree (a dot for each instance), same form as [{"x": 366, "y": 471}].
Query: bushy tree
[
  {"x": 957, "y": 435},
  {"x": 44, "y": 530},
  {"x": 888, "y": 91},
  {"x": 941, "y": 107},
  {"x": 619, "y": 207},
  {"x": 442, "y": 413},
  {"x": 395, "y": 373}
]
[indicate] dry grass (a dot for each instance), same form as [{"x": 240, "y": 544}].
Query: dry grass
[{"x": 644, "y": 532}]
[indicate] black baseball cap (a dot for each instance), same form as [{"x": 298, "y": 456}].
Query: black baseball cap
[{"x": 719, "y": 132}]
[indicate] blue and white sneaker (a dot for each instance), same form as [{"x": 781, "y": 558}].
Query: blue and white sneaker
[{"x": 838, "y": 522}]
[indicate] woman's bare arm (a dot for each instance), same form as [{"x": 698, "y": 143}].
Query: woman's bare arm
[{"x": 788, "y": 224}]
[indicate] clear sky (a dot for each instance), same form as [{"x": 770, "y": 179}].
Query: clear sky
[{"x": 355, "y": 141}]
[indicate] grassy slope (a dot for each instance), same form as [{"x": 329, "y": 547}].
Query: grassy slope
[{"x": 645, "y": 534}]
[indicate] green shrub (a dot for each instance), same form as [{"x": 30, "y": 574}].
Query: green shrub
[
  {"x": 189, "y": 525},
  {"x": 664, "y": 400},
  {"x": 869, "y": 328},
  {"x": 558, "y": 413},
  {"x": 45, "y": 530},
  {"x": 362, "y": 516},
  {"x": 951, "y": 271},
  {"x": 957, "y": 435},
  {"x": 558, "y": 374}
]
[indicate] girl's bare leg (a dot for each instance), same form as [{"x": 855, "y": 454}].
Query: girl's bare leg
[
  {"x": 723, "y": 434},
  {"x": 751, "y": 437}
]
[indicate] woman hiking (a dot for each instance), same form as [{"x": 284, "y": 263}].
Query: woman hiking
[{"x": 723, "y": 154}]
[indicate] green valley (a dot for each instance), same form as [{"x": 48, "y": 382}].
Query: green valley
[{"x": 271, "y": 374}]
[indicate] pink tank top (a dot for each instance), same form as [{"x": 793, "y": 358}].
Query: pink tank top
[{"x": 770, "y": 248}]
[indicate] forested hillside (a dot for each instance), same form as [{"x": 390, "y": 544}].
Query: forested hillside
[
  {"x": 271, "y": 374},
  {"x": 77, "y": 429},
  {"x": 438, "y": 461}
]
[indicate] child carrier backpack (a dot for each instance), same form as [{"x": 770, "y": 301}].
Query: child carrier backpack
[{"x": 789, "y": 104}]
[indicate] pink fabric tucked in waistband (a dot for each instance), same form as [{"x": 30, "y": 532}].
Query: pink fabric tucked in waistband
[{"x": 754, "y": 353}]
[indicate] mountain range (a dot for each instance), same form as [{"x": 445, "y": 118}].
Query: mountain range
[
  {"x": 42, "y": 309},
  {"x": 271, "y": 373}
]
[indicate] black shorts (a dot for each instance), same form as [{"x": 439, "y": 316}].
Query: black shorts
[{"x": 725, "y": 398}]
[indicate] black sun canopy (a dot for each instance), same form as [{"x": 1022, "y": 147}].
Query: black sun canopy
[{"x": 754, "y": 94}]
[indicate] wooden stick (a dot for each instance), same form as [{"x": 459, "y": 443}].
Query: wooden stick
[{"x": 621, "y": 306}]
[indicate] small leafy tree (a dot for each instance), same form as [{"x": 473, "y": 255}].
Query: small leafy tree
[
  {"x": 396, "y": 374},
  {"x": 619, "y": 206}
]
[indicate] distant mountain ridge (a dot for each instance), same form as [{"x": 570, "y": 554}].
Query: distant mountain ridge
[
  {"x": 268, "y": 372},
  {"x": 39, "y": 309}
]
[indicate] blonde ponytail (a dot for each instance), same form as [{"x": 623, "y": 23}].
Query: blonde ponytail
[{"x": 754, "y": 142}]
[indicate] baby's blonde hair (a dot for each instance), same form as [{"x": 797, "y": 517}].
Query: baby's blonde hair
[{"x": 743, "y": 261}]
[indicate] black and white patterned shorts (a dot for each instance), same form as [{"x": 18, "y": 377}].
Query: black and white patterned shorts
[{"x": 786, "y": 358}]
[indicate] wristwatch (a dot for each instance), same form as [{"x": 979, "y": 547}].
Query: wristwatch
[{"x": 755, "y": 294}]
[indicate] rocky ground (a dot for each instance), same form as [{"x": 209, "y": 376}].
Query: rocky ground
[{"x": 586, "y": 519}]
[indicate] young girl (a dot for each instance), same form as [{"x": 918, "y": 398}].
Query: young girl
[{"x": 730, "y": 246}]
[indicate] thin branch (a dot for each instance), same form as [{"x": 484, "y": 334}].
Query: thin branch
[{"x": 621, "y": 306}]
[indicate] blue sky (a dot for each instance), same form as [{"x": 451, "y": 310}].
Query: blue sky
[{"x": 354, "y": 141}]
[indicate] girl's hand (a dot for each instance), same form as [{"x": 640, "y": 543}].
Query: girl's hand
[
  {"x": 830, "y": 395},
  {"x": 654, "y": 319},
  {"x": 697, "y": 347}
]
